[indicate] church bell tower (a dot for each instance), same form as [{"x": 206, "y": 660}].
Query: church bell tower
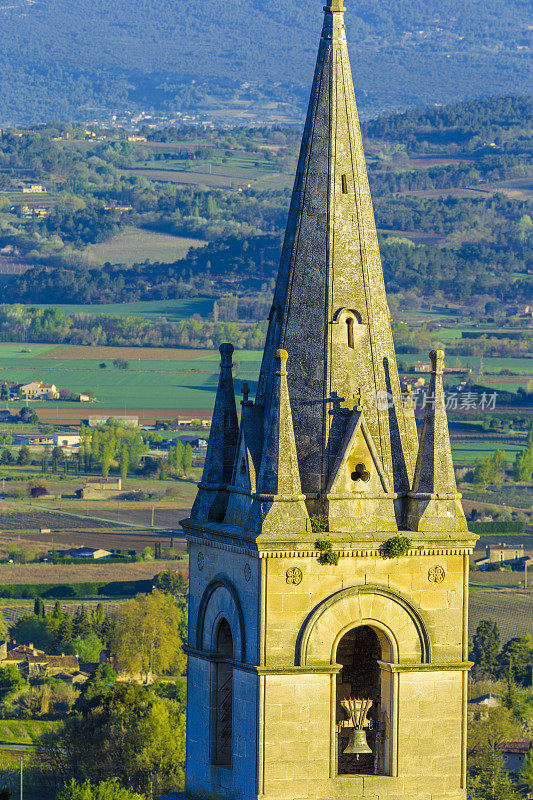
[{"x": 328, "y": 650}]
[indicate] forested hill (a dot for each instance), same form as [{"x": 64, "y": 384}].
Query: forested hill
[{"x": 61, "y": 59}]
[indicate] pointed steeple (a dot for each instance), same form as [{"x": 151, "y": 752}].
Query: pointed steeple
[
  {"x": 330, "y": 311},
  {"x": 434, "y": 502},
  {"x": 278, "y": 503},
  {"x": 212, "y": 497}
]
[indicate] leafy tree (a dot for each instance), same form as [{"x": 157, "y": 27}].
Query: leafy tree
[
  {"x": 57, "y": 456},
  {"x": 523, "y": 465},
  {"x": 171, "y": 582},
  {"x": 526, "y": 774},
  {"x": 11, "y": 681},
  {"x": 517, "y": 654},
  {"x": 490, "y": 468},
  {"x": 87, "y": 648},
  {"x": 110, "y": 789},
  {"x": 28, "y": 416},
  {"x": 6, "y": 457},
  {"x": 175, "y": 457},
  {"x": 24, "y": 456},
  {"x": 81, "y": 622},
  {"x": 32, "y": 630},
  {"x": 486, "y": 649},
  {"x": 124, "y": 463},
  {"x": 187, "y": 460},
  {"x": 38, "y": 607},
  {"x": 148, "y": 554},
  {"x": 100, "y": 683},
  {"x": 37, "y": 488},
  {"x": 146, "y": 638},
  {"x": 126, "y": 731},
  {"x": 489, "y": 780},
  {"x": 65, "y": 632},
  {"x": 486, "y": 777}
]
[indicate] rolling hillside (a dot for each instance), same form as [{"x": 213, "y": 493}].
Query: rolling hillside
[{"x": 61, "y": 60}]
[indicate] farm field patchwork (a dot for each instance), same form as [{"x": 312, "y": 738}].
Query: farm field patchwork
[
  {"x": 81, "y": 573},
  {"x": 127, "y": 538},
  {"x": 135, "y": 245},
  {"x": 172, "y": 310},
  {"x": 511, "y": 609},
  {"x": 191, "y": 178},
  {"x": 157, "y": 378}
]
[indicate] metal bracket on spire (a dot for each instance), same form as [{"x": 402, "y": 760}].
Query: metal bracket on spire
[{"x": 353, "y": 402}]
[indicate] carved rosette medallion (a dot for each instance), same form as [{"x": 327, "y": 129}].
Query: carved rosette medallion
[
  {"x": 294, "y": 576},
  {"x": 436, "y": 574},
  {"x": 200, "y": 561}
]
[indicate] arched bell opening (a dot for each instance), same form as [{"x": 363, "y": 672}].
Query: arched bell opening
[
  {"x": 223, "y": 696},
  {"x": 362, "y": 703}
]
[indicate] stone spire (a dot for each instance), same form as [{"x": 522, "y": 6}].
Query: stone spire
[
  {"x": 212, "y": 497},
  {"x": 330, "y": 311},
  {"x": 434, "y": 502},
  {"x": 278, "y": 503}
]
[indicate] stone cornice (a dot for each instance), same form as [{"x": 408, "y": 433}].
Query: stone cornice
[
  {"x": 326, "y": 669},
  {"x": 446, "y": 666},
  {"x": 233, "y": 539}
]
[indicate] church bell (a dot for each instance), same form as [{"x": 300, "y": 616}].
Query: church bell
[{"x": 357, "y": 743}]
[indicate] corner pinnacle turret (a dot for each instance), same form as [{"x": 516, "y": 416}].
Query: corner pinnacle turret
[{"x": 434, "y": 504}]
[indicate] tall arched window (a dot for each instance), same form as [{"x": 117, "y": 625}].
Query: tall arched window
[
  {"x": 359, "y": 651},
  {"x": 223, "y": 697}
]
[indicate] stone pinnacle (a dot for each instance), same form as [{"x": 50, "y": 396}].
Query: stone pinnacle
[{"x": 334, "y": 6}]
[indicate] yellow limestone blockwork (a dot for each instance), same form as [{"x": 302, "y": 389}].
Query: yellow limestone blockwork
[{"x": 295, "y": 605}]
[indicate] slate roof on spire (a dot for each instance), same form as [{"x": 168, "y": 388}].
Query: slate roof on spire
[
  {"x": 279, "y": 502},
  {"x": 211, "y": 499},
  {"x": 330, "y": 311}
]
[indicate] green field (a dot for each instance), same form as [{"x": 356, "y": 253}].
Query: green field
[
  {"x": 135, "y": 245},
  {"x": 23, "y": 731},
  {"x": 148, "y": 383},
  {"x": 469, "y": 452},
  {"x": 172, "y": 310},
  {"x": 490, "y": 365},
  {"x": 185, "y": 380}
]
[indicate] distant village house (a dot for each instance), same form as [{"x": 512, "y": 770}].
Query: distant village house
[
  {"x": 514, "y": 752},
  {"x": 89, "y": 553},
  {"x": 36, "y": 390},
  {"x": 34, "y": 188},
  {"x": 100, "y": 488},
  {"x": 67, "y": 440},
  {"x": 33, "y": 439},
  {"x": 504, "y": 554},
  {"x": 32, "y": 661}
]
